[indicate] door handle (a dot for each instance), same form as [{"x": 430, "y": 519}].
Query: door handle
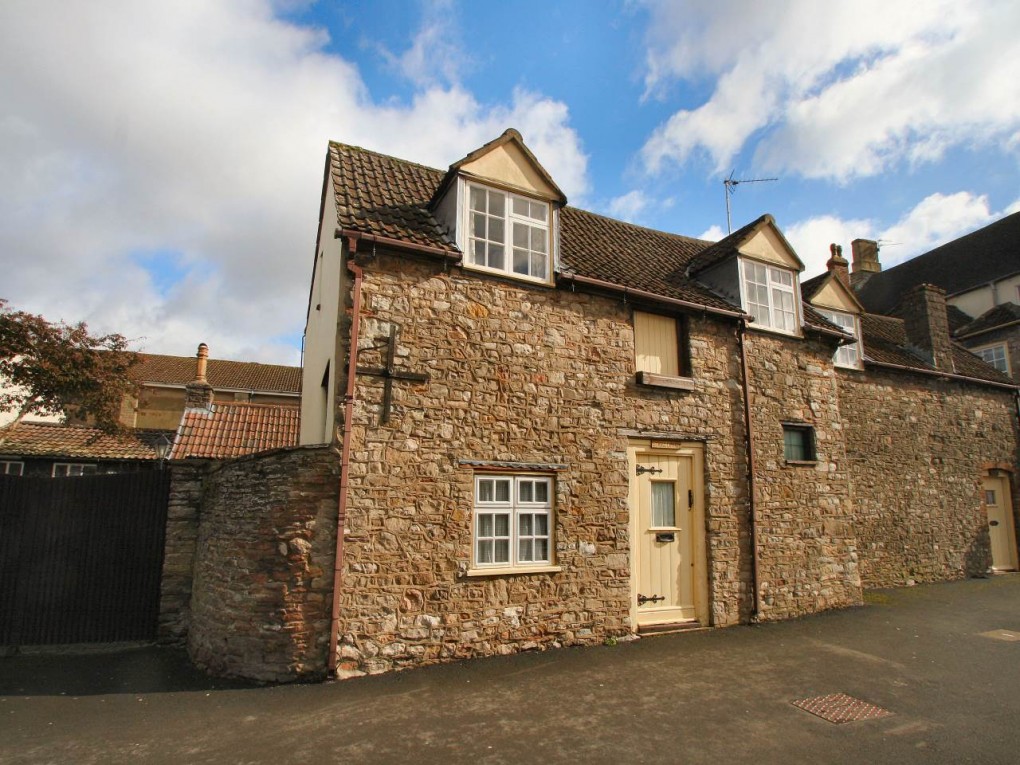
[
  {"x": 642, "y": 599},
  {"x": 993, "y": 523}
]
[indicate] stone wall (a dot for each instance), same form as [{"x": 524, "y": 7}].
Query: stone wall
[
  {"x": 260, "y": 605},
  {"x": 535, "y": 375},
  {"x": 182, "y": 516},
  {"x": 808, "y": 557},
  {"x": 917, "y": 448}
]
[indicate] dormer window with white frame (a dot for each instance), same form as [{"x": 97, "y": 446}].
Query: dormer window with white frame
[
  {"x": 508, "y": 233},
  {"x": 849, "y": 355},
  {"x": 771, "y": 295}
]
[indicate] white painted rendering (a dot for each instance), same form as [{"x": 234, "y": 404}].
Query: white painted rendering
[
  {"x": 319, "y": 359},
  {"x": 768, "y": 246},
  {"x": 837, "y": 297},
  {"x": 981, "y": 299},
  {"x": 509, "y": 166}
]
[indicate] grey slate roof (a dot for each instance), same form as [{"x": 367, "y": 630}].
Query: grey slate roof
[{"x": 992, "y": 252}]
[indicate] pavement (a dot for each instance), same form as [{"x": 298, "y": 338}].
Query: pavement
[{"x": 943, "y": 660}]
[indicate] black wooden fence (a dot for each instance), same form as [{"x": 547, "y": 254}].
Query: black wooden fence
[{"x": 81, "y": 558}]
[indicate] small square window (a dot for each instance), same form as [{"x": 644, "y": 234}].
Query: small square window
[
  {"x": 11, "y": 467},
  {"x": 799, "y": 443}
]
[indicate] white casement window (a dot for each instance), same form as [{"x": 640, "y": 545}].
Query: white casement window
[
  {"x": 995, "y": 355},
  {"x": 770, "y": 295},
  {"x": 68, "y": 469},
  {"x": 512, "y": 521},
  {"x": 846, "y": 355},
  {"x": 11, "y": 467},
  {"x": 508, "y": 233}
]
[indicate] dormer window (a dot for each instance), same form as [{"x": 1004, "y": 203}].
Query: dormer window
[
  {"x": 769, "y": 294},
  {"x": 846, "y": 355},
  {"x": 508, "y": 233}
]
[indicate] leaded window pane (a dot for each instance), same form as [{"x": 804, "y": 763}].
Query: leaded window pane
[
  {"x": 503, "y": 490},
  {"x": 541, "y": 491},
  {"x": 502, "y": 551},
  {"x": 497, "y": 204}
]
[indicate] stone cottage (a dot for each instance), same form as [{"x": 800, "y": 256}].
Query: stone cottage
[{"x": 556, "y": 428}]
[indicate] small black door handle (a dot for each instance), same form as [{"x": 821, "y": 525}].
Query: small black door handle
[{"x": 993, "y": 523}]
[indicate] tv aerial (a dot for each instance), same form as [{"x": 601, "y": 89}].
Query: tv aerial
[{"x": 730, "y": 184}]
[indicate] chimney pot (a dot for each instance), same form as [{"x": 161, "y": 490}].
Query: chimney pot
[
  {"x": 865, "y": 260},
  {"x": 199, "y": 393},
  {"x": 837, "y": 264}
]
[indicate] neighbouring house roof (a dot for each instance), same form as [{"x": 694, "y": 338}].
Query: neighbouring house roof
[
  {"x": 230, "y": 429},
  {"x": 971, "y": 261},
  {"x": 225, "y": 375},
  {"x": 48, "y": 439},
  {"x": 885, "y": 341},
  {"x": 999, "y": 316}
]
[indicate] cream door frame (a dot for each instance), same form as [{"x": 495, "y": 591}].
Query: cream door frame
[
  {"x": 1005, "y": 530},
  {"x": 696, "y": 452}
]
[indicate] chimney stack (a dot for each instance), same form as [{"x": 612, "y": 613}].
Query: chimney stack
[
  {"x": 865, "y": 255},
  {"x": 198, "y": 392},
  {"x": 923, "y": 309},
  {"x": 837, "y": 265}
]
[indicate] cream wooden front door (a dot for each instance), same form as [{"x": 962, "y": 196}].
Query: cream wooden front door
[
  {"x": 666, "y": 538},
  {"x": 999, "y": 505}
]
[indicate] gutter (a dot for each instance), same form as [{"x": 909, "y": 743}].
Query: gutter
[
  {"x": 353, "y": 237},
  {"x": 947, "y": 375},
  {"x": 345, "y": 457},
  {"x": 752, "y": 510},
  {"x": 644, "y": 294}
]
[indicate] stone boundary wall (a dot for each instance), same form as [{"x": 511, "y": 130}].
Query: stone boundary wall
[
  {"x": 262, "y": 591},
  {"x": 182, "y": 516},
  {"x": 917, "y": 448}
]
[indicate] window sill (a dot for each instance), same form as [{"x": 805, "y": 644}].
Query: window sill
[
  {"x": 801, "y": 463},
  {"x": 512, "y": 570},
  {"x": 665, "y": 381},
  {"x": 512, "y": 275}
]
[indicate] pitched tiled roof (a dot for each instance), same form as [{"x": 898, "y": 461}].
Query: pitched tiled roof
[
  {"x": 885, "y": 341},
  {"x": 233, "y": 429},
  {"x": 386, "y": 196},
  {"x": 223, "y": 375},
  {"x": 49, "y": 439},
  {"x": 632, "y": 256},
  {"x": 992, "y": 252},
  {"x": 1000, "y": 315}
]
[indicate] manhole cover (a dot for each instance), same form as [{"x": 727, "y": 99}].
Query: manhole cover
[
  {"x": 839, "y": 708},
  {"x": 1007, "y": 635}
]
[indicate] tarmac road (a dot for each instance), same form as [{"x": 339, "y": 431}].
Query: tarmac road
[{"x": 719, "y": 696}]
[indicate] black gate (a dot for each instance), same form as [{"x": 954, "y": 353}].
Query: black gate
[{"x": 81, "y": 558}]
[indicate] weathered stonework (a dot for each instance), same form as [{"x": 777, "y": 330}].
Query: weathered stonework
[
  {"x": 807, "y": 544},
  {"x": 918, "y": 448},
  {"x": 183, "y": 510},
  {"x": 263, "y": 578},
  {"x": 525, "y": 374}
]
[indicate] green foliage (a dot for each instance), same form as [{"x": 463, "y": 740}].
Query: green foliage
[{"x": 60, "y": 368}]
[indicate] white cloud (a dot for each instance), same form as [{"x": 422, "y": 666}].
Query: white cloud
[
  {"x": 628, "y": 206},
  {"x": 712, "y": 234},
  {"x": 197, "y": 133},
  {"x": 935, "y": 220},
  {"x": 435, "y": 55},
  {"x": 837, "y": 89}
]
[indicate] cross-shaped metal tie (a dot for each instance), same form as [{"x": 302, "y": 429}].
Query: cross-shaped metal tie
[{"x": 389, "y": 373}]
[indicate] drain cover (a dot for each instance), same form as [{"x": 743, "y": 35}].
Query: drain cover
[
  {"x": 839, "y": 708},
  {"x": 1007, "y": 635}
]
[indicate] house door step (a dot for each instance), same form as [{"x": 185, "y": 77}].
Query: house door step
[{"x": 688, "y": 625}]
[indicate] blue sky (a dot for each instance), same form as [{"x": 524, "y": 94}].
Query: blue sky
[{"x": 161, "y": 163}]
